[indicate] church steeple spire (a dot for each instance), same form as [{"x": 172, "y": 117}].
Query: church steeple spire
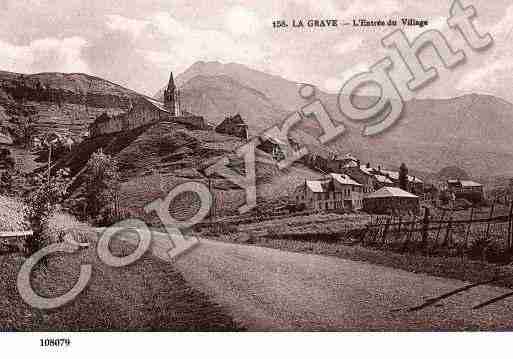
[
  {"x": 170, "y": 96},
  {"x": 171, "y": 85}
]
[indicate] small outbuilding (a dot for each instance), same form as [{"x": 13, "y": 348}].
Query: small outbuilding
[
  {"x": 234, "y": 126},
  {"x": 391, "y": 200},
  {"x": 469, "y": 190}
]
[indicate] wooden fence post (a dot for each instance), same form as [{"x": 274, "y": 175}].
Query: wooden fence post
[
  {"x": 489, "y": 220},
  {"x": 398, "y": 234},
  {"x": 469, "y": 226},
  {"x": 439, "y": 227},
  {"x": 364, "y": 234},
  {"x": 409, "y": 234},
  {"x": 448, "y": 232},
  {"x": 425, "y": 227},
  {"x": 510, "y": 226},
  {"x": 413, "y": 227},
  {"x": 376, "y": 233},
  {"x": 385, "y": 231}
]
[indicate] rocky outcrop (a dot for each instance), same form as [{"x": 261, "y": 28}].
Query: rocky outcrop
[{"x": 61, "y": 102}]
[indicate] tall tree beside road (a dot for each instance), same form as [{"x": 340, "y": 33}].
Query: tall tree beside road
[
  {"x": 47, "y": 197},
  {"x": 101, "y": 187},
  {"x": 403, "y": 177}
]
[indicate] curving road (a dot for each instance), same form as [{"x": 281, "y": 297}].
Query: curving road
[{"x": 268, "y": 289}]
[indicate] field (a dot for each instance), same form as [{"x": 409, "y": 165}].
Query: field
[{"x": 146, "y": 296}]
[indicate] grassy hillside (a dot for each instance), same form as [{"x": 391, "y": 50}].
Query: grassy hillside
[
  {"x": 146, "y": 296},
  {"x": 155, "y": 158}
]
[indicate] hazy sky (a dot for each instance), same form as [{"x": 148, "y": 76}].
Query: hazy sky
[{"x": 137, "y": 42}]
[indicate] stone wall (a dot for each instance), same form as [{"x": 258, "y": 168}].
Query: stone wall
[{"x": 196, "y": 122}]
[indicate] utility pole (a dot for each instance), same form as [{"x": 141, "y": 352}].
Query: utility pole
[
  {"x": 49, "y": 162},
  {"x": 49, "y": 139}
]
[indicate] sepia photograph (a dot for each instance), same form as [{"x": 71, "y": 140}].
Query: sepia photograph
[{"x": 288, "y": 167}]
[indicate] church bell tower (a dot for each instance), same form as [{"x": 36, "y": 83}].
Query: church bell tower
[{"x": 170, "y": 96}]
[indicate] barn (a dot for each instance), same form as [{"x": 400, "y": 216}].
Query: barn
[{"x": 391, "y": 200}]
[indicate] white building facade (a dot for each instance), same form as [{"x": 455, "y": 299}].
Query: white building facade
[{"x": 336, "y": 192}]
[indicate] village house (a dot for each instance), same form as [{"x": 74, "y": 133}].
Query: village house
[
  {"x": 315, "y": 161},
  {"x": 391, "y": 200},
  {"x": 363, "y": 174},
  {"x": 337, "y": 163},
  {"x": 415, "y": 184},
  {"x": 383, "y": 181},
  {"x": 278, "y": 149},
  {"x": 336, "y": 192},
  {"x": 274, "y": 147},
  {"x": 148, "y": 111},
  {"x": 234, "y": 126},
  {"x": 469, "y": 190}
]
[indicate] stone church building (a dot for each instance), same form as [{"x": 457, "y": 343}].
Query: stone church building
[{"x": 147, "y": 111}]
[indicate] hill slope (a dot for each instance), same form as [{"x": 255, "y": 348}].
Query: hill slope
[
  {"x": 155, "y": 158},
  {"x": 62, "y": 102}
]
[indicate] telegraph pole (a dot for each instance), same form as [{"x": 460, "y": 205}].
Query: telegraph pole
[
  {"x": 49, "y": 162},
  {"x": 49, "y": 139}
]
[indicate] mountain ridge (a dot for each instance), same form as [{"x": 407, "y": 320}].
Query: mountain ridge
[{"x": 472, "y": 130}]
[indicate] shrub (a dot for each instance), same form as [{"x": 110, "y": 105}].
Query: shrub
[
  {"x": 13, "y": 215},
  {"x": 60, "y": 226},
  {"x": 42, "y": 202}
]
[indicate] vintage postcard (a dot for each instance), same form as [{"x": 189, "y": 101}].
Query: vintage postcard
[{"x": 255, "y": 166}]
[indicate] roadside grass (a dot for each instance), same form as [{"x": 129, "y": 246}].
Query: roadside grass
[
  {"x": 448, "y": 267},
  {"x": 146, "y": 296}
]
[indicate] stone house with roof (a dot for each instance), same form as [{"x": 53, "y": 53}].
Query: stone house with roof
[
  {"x": 467, "y": 189},
  {"x": 391, "y": 200},
  {"x": 364, "y": 175},
  {"x": 234, "y": 126},
  {"x": 415, "y": 184},
  {"x": 335, "y": 192}
]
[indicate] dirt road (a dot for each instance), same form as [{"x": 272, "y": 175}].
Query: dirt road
[{"x": 268, "y": 289}]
